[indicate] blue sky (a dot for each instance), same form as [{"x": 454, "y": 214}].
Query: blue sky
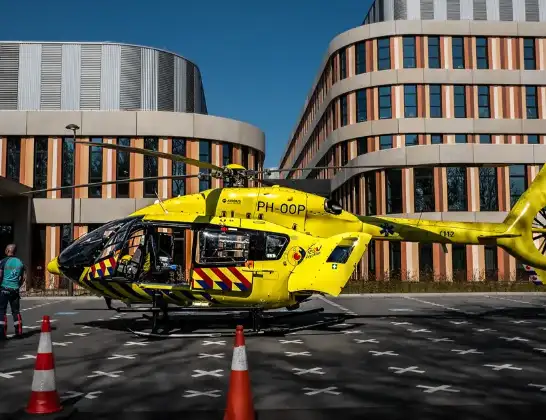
[{"x": 258, "y": 58}]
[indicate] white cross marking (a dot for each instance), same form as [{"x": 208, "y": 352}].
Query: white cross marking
[
  {"x": 121, "y": 356},
  {"x": 136, "y": 343},
  {"x": 301, "y": 353},
  {"x": 514, "y": 339},
  {"x": 63, "y": 344},
  {"x": 86, "y": 327},
  {"x": 505, "y": 366},
  {"x": 33, "y": 327},
  {"x": 190, "y": 393},
  {"x": 73, "y": 394},
  {"x": 436, "y": 340},
  {"x": 432, "y": 389},
  {"x": 215, "y": 373},
  {"x": 470, "y": 351},
  {"x": 217, "y": 356},
  {"x": 315, "y": 391},
  {"x": 401, "y": 323},
  {"x": 369, "y": 340},
  {"x": 76, "y": 334},
  {"x": 408, "y": 369},
  {"x": 542, "y": 387},
  {"x": 520, "y": 321},
  {"x": 98, "y": 373},
  {"x": 26, "y": 356},
  {"x": 317, "y": 370},
  {"x": 459, "y": 322},
  {"x": 383, "y": 353},
  {"x": 401, "y": 310},
  {"x": 541, "y": 350},
  {"x": 341, "y": 325},
  {"x": 208, "y": 343},
  {"x": 291, "y": 341},
  {"x": 9, "y": 375},
  {"x": 352, "y": 332},
  {"x": 419, "y": 330},
  {"x": 483, "y": 329}
]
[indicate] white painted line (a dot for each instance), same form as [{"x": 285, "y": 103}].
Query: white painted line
[
  {"x": 136, "y": 343},
  {"x": 540, "y": 350},
  {"x": 369, "y": 340},
  {"x": 26, "y": 357},
  {"x": 382, "y": 353},
  {"x": 437, "y": 340},
  {"x": 218, "y": 342},
  {"x": 413, "y": 331},
  {"x": 86, "y": 327},
  {"x": 97, "y": 373},
  {"x": 341, "y": 325},
  {"x": 217, "y": 355},
  {"x": 352, "y": 332},
  {"x": 76, "y": 334},
  {"x": 301, "y": 353},
  {"x": 484, "y": 329},
  {"x": 514, "y": 339},
  {"x": 459, "y": 322},
  {"x": 520, "y": 321},
  {"x": 10, "y": 375},
  {"x": 315, "y": 391},
  {"x": 37, "y": 306},
  {"x": 62, "y": 344},
  {"x": 401, "y": 323},
  {"x": 216, "y": 373},
  {"x": 502, "y": 367},
  {"x": 317, "y": 370},
  {"x": 438, "y": 305},
  {"x": 33, "y": 327},
  {"x": 337, "y": 305},
  {"x": 291, "y": 341},
  {"x": 469, "y": 351},
  {"x": 401, "y": 310},
  {"x": 542, "y": 387},
  {"x": 513, "y": 300},
  {"x": 414, "y": 369},
  {"x": 191, "y": 393},
  {"x": 122, "y": 356},
  {"x": 432, "y": 389}
]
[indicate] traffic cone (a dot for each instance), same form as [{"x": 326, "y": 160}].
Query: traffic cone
[
  {"x": 239, "y": 400},
  {"x": 44, "y": 398}
]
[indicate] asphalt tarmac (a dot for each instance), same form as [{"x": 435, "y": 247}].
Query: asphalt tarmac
[{"x": 471, "y": 357}]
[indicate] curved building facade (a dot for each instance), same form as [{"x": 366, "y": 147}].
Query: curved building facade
[
  {"x": 121, "y": 94},
  {"x": 444, "y": 91}
]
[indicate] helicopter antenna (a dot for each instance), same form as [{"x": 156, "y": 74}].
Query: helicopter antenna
[{"x": 160, "y": 202}]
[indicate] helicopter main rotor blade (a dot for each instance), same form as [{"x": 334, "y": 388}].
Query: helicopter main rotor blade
[
  {"x": 119, "y": 181},
  {"x": 162, "y": 155}
]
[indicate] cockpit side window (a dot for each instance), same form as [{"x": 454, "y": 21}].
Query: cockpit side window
[
  {"x": 222, "y": 248},
  {"x": 274, "y": 246}
]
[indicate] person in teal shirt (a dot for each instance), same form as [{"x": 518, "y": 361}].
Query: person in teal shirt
[{"x": 12, "y": 277}]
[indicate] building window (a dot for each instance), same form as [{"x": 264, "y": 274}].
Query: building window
[
  {"x": 40, "y": 165},
  {"x": 424, "y": 189},
  {"x": 371, "y": 259},
  {"x": 244, "y": 154},
  {"x": 66, "y": 170},
  {"x": 371, "y": 197},
  {"x": 343, "y": 63},
  {"x": 460, "y": 138},
  {"x": 531, "y": 102},
  {"x": 95, "y": 169},
  {"x": 227, "y": 152},
  {"x": 123, "y": 168},
  {"x": 435, "y": 95},
  {"x": 385, "y": 108},
  {"x": 410, "y": 101},
  {"x": 426, "y": 265},
  {"x": 65, "y": 237},
  {"x": 205, "y": 156},
  {"x": 481, "y": 53},
  {"x": 384, "y": 54},
  {"x": 483, "y": 102},
  {"x": 457, "y": 51},
  {"x": 517, "y": 182},
  {"x": 38, "y": 252},
  {"x": 459, "y": 93},
  {"x": 361, "y": 146},
  {"x": 385, "y": 142},
  {"x": 361, "y": 111},
  {"x": 394, "y": 190},
  {"x": 458, "y": 264},
  {"x": 435, "y": 139},
  {"x": 344, "y": 153},
  {"x": 410, "y": 61},
  {"x": 150, "y": 167},
  {"x": 529, "y": 55},
  {"x": 412, "y": 140},
  {"x": 178, "y": 168},
  {"x": 395, "y": 259},
  {"x": 456, "y": 189},
  {"x": 491, "y": 263},
  {"x": 14, "y": 158},
  {"x": 488, "y": 189},
  {"x": 532, "y": 139},
  {"x": 360, "y": 57},
  {"x": 434, "y": 52},
  {"x": 343, "y": 107},
  {"x": 485, "y": 139}
]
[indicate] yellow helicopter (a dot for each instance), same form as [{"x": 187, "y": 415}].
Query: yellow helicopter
[{"x": 260, "y": 248}]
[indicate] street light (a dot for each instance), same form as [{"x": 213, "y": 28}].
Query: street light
[{"x": 73, "y": 128}]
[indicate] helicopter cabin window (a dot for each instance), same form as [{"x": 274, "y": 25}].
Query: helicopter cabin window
[{"x": 215, "y": 248}]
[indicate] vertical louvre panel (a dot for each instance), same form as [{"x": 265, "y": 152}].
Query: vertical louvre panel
[
  {"x": 149, "y": 80},
  {"x": 506, "y": 12},
  {"x": 30, "y": 59},
  {"x": 180, "y": 66},
  {"x": 51, "y": 77},
  {"x": 531, "y": 11},
  {"x": 467, "y": 9},
  {"x": 453, "y": 9},
  {"x": 70, "y": 77},
  {"x": 480, "y": 10},
  {"x": 427, "y": 9},
  {"x": 165, "y": 82},
  {"x": 9, "y": 76},
  {"x": 90, "y": 77},
  {"x": 197, "y": 91},
  {"x": 110, "y": 77},
  {"x": 400, "y": 10},
  {"x": 190, "y": 71},
  {"x": 130, "y": 76}
]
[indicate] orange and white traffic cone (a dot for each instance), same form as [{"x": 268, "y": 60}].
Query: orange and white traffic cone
[
  {"x": 239, "y": 400},
  {"x": 44, "y": 398}
]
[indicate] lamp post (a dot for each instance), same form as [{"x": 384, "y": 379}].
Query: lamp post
[{"x": 73, "y": 128}]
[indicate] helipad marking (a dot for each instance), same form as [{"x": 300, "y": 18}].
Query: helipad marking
[
  {"x": 337, "y": 305},
  {"x": 291, "y": 341},
  {"x": 469, "y": 351},
  {"x": 216, "y": 373},
  {"x": 74, "y": 394},
  {"x": 514, "y": 339},
  {"x": 216, "y": 356},
  {"x": 301, "y": 353},
  {"x": 10, "y": 375},
  {"x": 315, "y": 391},
  {"x": 97, "y": 373},
  {"x": 502, "y": 367},
  {"x": 484, "y": 329},
  {"x": 459, "y": 322},
  {"x": 191, "y": 393},
  {"x": 62, "y": 344},
  {"x": 383, "y": 353},
  {"x": 401, "y": 323},
  {"x": 26, "y": 357},
  {"x": 432, "y": 389},
  {"x": 542, "y": 387},
  {"x": 401, "y": 310},
  {"x": 352, "y": 332},
  {"x": 368, "y": 340},
  {"x": 317, "y": 370},
  {"x": 66, "y": 313},
  {"x": 540, "y": 350},
  {"x": 136, "y": 343},
  {"x": 217, "y": 342},
  {"x": 51, "y": 320},
  {"x": 73, "y": 334},
  {"x": 419, "y": 330},
  {"x": 414, "y": 369},
  {"x": 438, "y": 304},
  {"x": 122, "y": 356},
  {"x": 520, "y": 321},
  {"x": 437, "y": 340}
]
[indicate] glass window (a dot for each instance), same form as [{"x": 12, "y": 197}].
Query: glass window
[
  {"x": 456, "y": 189},
  {"x": 434, "y": 52},
  {"x": 517, "y": 182},
  {"x": 40, "y": 165},
  {"x": 435, "y": 93},
  {"x": 485, "y": 139},
  {"x": 529, "y": 55},
  {"x": 394, "y": 190},
  {"x": 436, "y": 139},
  {"x": 344, "y": 153},
  {"x": 384, "y": 54},
  {"x": 220, "y": 248},
  {"x": 412, "y": 140},
  {"x": 67, "y": 166},
  {"x": 205, "y": 156},
  {"x": 458, "y": 261},
  {"x": 488, "y": 189},
  {"x": 410, "y": 101},
  {"x": 459, "y": 93},
  {"x": 178, "y": 168},
  {"x": 360, "y": 57},
  {"x": 483, "y": 102},
  {"x": 361, "y": 111},
  {"x": 14, "y": 158},
  {"x": 531, "y": 102},
  {"x": 343, "y": 63},
  {"x": 532, "y": 139},
  {"x": 371, "y": 198},
  {"x": 410, "y": 60},
  {"x": 481, "y": 53},
  {"x": 385, "y": 142},
  {"x": 395, "y": 259},
  {"x": 95, "y": 168},
  {"x": 361, "y": 145},
  {"x": 371, "y": 259},
  {"x": 227, "y": 152},
  {"x": 343, "y": 106},
  {"x": 150, "y": 167},
  {"x": 491, "y": 263},
  {"x": 457, "y": 51},
  {"x": 460, "y": 138},
  {"x": 426, "y": 265},
  {"x": 424, "y": 189},
  {"x": 123, "y": 168},
  {"x": 385, "y": 105}
]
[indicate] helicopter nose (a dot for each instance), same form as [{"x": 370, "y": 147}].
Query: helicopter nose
[{"x": 53, "y": 266}]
